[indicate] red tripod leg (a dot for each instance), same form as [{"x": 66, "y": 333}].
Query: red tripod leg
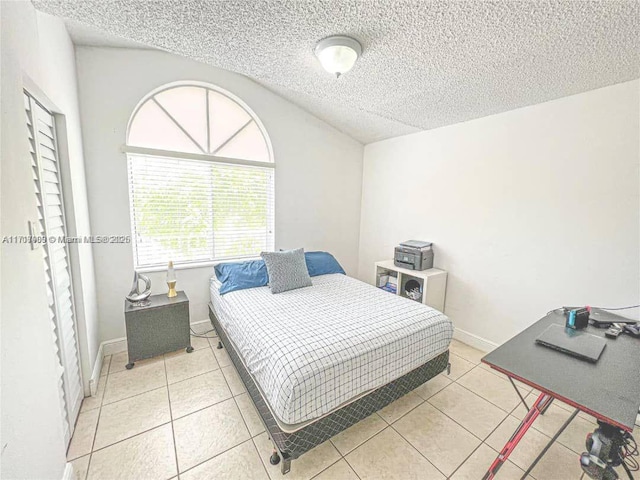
[{"x": 541, "y": 403}]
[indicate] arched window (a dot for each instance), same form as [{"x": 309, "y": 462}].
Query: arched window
[{"x": 201, "y": 178}]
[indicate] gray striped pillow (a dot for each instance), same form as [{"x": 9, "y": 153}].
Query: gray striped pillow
[{"x": 287, "y": 270}]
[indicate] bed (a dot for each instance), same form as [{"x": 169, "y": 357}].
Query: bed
[{"x": 316, "y": 360}]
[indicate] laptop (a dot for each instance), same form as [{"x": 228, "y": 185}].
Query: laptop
[{"x": 576, "y": 343}]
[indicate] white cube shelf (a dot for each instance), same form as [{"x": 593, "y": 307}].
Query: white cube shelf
[{"x": 432, "y": 280}]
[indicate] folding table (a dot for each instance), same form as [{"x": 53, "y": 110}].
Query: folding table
[{"x": 609, "y": 389}]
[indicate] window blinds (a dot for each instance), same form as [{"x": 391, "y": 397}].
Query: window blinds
[{"x": 193, "y": 211}]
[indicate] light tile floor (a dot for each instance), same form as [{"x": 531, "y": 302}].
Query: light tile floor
[{"x": 189, "y": 414}]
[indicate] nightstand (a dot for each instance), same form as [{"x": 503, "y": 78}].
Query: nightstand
[{"x": 158, "y": 328}]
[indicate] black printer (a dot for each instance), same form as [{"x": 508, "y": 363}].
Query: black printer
[{"x": 414, "y": 255}]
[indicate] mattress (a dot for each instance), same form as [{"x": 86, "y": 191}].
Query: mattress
[{"x": 314, "y": 349}]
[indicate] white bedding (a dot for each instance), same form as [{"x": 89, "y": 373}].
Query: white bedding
[{"x": 313, "y": 349}]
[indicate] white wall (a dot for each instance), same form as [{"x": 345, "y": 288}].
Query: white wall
[
  {"x": 528, "y": 210},
  {"x": 38, "y": 47},
  {"x": 59, "y": 83},
  {"x": 318, "y": 173}
]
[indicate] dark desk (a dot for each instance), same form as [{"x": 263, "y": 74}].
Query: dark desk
[{"x": 608, "y": 390}]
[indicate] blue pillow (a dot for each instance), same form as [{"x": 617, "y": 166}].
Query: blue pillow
[
  {"x": 322, "y": 263},
  {"x": 241, "y": 275}
]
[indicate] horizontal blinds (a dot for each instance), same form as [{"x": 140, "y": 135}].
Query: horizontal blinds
[{"x": 191, "y": 211}]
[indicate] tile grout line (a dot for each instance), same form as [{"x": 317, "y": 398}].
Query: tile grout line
[
  {"x": 159, "y": 425},
  {"x": 167, "y": 423},
  {"x": 328, "y": 466},
  {"x": 215, "y": 456},
  {"x": 453, "y": 420},
  {"x": 255, "y": 447},
  {"x": 500, "y": 376},
  {"x": 509, "y": 413},
  {"x": 102, "y": 404},
  {"x": 465, "y": 460},
  {"x": 482, "y": 441},
  {"x": 423, "y": 400},
  {"x": 129, "y": 438},
  {"x": 409, "y": 411},
  {"x": 252, "y": 438},
  {"x": 416, "y": 449},
  {"x": 498, "y": 426},
  {"x": 132, "y": 436},
  {"x": 351, "y": 466},
  {"x": 95, "y": 434},
  {"x": 344, "y": 457},
  {"x": 341, "y": 456},
  {"x": 133, "y": 396},
  {"x": 537, "y": 429},
  {"x": 201, "y": 409},
  {"x": 173, "y": 433}
]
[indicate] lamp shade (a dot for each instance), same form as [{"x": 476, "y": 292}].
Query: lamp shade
[{"x": 338, "y": 54}]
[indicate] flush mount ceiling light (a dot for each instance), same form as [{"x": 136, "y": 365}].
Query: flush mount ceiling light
[{"x": 337, "y": 54}]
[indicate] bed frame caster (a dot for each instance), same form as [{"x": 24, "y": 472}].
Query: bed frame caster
[
  {"x": 129, "y": 366},
  {"x": 189, "y": 349},
  {"x": 448, "y": 368},
  {"x": 275, "y": 458},
  {"x": 219, "y": 347}
]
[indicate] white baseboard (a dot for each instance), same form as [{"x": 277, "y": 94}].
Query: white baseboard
[
  {"x": 111, "y": 347},
  {"x": 117, "y": 345},
  {"x": 201, "y": 326},
  {"x": 474, "y": 340},
  {"x": 97, "y": 369},
  {"x": 68, "y": 472}
]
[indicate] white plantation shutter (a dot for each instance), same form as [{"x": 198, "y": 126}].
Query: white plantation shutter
[
  {"x": 201, "y": 179},
  {"x": 46, "y": 176}
]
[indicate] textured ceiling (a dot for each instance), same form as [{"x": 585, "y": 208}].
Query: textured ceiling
[
  {"x": 425, "y": 63},
  {"x": 83, "y": 34}
]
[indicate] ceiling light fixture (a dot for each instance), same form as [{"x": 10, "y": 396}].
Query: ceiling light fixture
[{"x": 338, "y": 54}]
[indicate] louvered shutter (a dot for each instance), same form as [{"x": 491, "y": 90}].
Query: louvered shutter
[{"x": 51, "y": 223}]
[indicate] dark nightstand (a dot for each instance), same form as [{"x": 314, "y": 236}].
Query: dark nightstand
[{"x": 160, "y": 327}]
